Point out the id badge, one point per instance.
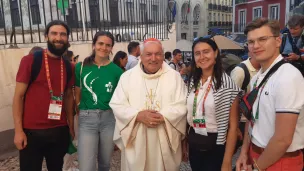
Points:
(55, 109)
(199, 126)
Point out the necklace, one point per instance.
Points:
(150, 96)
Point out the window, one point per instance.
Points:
(15, 13)
(184, 36)
(223, 19)
(1, 18)
(214, 17)
(194, 34)
(274, 11)
(35, 13)
(257, 12)
(242, 20)
(218, 17)
(227, 17)
(184, 13)
(196, 15)
(154, 12)
(142, 12)
(94, 13)
(130, 12)
(210, 17)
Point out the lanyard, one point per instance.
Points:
(256, 117)
(205, 97)
(48, 77)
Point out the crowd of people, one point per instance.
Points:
(158, 111)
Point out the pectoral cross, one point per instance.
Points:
(150, 100)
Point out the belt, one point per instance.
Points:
(260, 150)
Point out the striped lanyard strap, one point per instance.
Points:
(205, 97)
(48, 77)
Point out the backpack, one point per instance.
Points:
(175, 65)
(247, 76)
(231, 61)
(298, 64)
(36, 67)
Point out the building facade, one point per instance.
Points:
(220, 15)
(247, 10)
(190, 18)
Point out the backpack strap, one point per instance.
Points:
(283, 42)
(271, 71)
(247, 76)
(68, 69)
(36, 66)
(80, 74)
(173, 64)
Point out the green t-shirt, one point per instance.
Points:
(97, 85)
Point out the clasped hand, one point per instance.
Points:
(150, 118)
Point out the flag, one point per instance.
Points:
(63, 5)
(189, 7)
(174, 10)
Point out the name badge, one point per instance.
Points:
(55, 109)
(199, 126)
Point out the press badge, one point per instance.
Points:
(55, 109)
(199, 126)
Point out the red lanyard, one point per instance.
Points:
(205, 97)
(48, 77)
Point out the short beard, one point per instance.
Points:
(58, 52)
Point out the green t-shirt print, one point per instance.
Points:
(97, 85)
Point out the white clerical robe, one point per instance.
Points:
(143, 148)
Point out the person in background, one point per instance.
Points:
(96, 80)
(134, 52)
(177, 63)
(212, 110)
(121, 59)
(168, 57)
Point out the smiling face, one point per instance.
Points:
(103, 47)
(152, 57)
(262, 44)
(57, 40)
(204, 56)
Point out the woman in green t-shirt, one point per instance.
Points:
(96, 80)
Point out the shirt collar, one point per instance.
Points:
(249, 65)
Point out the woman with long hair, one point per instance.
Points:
(212, 110)
(121, 59)
(96, 80)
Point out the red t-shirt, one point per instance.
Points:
(37, 98)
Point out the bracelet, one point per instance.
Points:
(256, 165)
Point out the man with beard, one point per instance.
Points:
(43, 107)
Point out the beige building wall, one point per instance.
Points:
(9, 63)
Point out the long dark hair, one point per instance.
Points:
(90, 60)
(196, 73)
(119, 55)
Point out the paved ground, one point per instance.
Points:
(12, 164)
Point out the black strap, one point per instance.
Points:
(283, 42)
(247, 76)
(271, 71)
(68, 69)
(173, 64)
(36, 67)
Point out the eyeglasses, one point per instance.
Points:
(261, 41)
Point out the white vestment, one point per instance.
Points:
(143, 148)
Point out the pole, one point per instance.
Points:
(82, 18)
(233, 15)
